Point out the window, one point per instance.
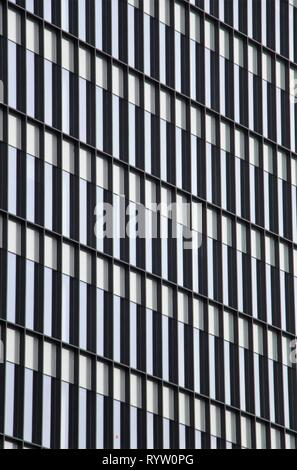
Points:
(261, 436)
(67, 55)
(135, 391)
(180, 18)
(151, 294)
(210, 35)
(50, 45)
(13, 346)
(229, 330)
(210, 129)
(227, 231)
(284, 263)
(15, 132)
(135, 288)
(32, 245)
(273, 348)
(14, 238)
(67, 366)
(295, 262)
(198, 314)
(102, 173)
(231, 435)
(68, 265)
(32, 140)
(238, 52)
(85, 267)
(14, 27)
(50, 252)
(102, 274)
(253, 59)
(164, 12)
(258, 340)
(152, 397)
(150, 195)
(280, 75)
(10, 445)
(184, 409)
(286, 349)
(49, 359)
(50, 148)
(240, 146)
(197, 224)
(149, 7)
(195, 27)
(270, 247)
(195, 121)
(290, 439)
(117, 81)
(225, 137)
(183, 307)
(119, 384)
(212, 224)
(149, 98)
(101, 73)
(85, 165)
(225, 44)
(267, 67)
(181, 114)
(282, 166)
(254, 151)
(268, 159)
(31, 353)
(68, 157)
(167, 301)
(118, 180)
(119, 281)
(165, 106)
(215, 421)
(256, 244)
(200, 415)
(181, 216)
(102, 379)
(85, 372)
(32, 36)
(246, 432)
(275, 439)
(134, 188)
(84, 63)
(168, 403)
(213, 321)
(243, 333)
(134, 3)
(134, 90)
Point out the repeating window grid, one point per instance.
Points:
(286, 267)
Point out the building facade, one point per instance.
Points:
(148, 342)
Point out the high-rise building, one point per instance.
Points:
(183, 113)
